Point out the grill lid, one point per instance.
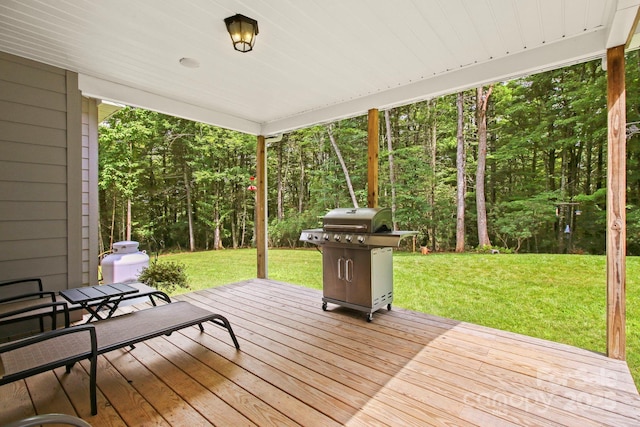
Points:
(363, 220)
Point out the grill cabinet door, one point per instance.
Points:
(347, 275)
(333, 266)
(358, 276)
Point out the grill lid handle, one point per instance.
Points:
(345, 227)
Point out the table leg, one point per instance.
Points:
(115, 305)
(93, 312)
(111, 304)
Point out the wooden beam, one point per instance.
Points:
(261, 207)
(372, 176)
(616, 197)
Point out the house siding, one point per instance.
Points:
(41, 175)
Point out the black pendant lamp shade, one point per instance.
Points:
(243, 31)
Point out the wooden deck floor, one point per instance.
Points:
(299, 365)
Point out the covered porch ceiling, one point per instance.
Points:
(314, 60)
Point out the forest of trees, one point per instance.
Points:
(540, 141)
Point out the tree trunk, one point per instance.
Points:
(600, 166)
(187, 187)
(344, 167)
(562, 220)
(432, 189)
(128, 235)
(589, 167)
(113, 222)
(217, 244)
(216, 231)
(392, 177)
(461, 183)
(243, 223)
(280, 212)
(482, 102)
(301, 192)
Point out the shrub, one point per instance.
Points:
(168, 276)
(488, 249)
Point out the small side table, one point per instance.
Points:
(96, 298)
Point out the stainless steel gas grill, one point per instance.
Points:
(357, 257)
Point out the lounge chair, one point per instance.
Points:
(25, 299)
(50, 350)
(64, 347)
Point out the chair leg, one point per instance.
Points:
(222, 321)
(68, 367)
(92, 384)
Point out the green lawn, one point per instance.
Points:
(557, 297)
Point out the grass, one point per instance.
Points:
(561, 298)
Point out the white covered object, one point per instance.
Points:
(125, 263)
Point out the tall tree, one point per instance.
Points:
(279, 181)
(482, 101)
(347, 178)
(187, 187)
(392, 179)
(432, 148)
(461, 179)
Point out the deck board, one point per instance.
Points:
(299, 365)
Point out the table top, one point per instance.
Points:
(94, 293)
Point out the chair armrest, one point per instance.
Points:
(40, 294)
(27, 280)
(46, 351)
(50, 350)
(53, 305)
(44, 336)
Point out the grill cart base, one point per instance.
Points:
(368, 310)
(361, 279)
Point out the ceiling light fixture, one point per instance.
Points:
(243, 32)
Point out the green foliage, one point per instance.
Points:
(493, 250)
(286, 232)
(547, 138)
(515, 222)
(168, 276)
(153, 159)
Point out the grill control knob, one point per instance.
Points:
(336, 237)
(348, 237)
(360, 239)
(310, 236)
(325, 236)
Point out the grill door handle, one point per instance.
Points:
(349, 269)
(340, 268)
(345, 227)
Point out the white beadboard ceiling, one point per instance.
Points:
(314, 60)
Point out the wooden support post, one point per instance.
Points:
(616, 197)
(261, 207)
(372, 176)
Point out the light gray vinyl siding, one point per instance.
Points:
(40, 174)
